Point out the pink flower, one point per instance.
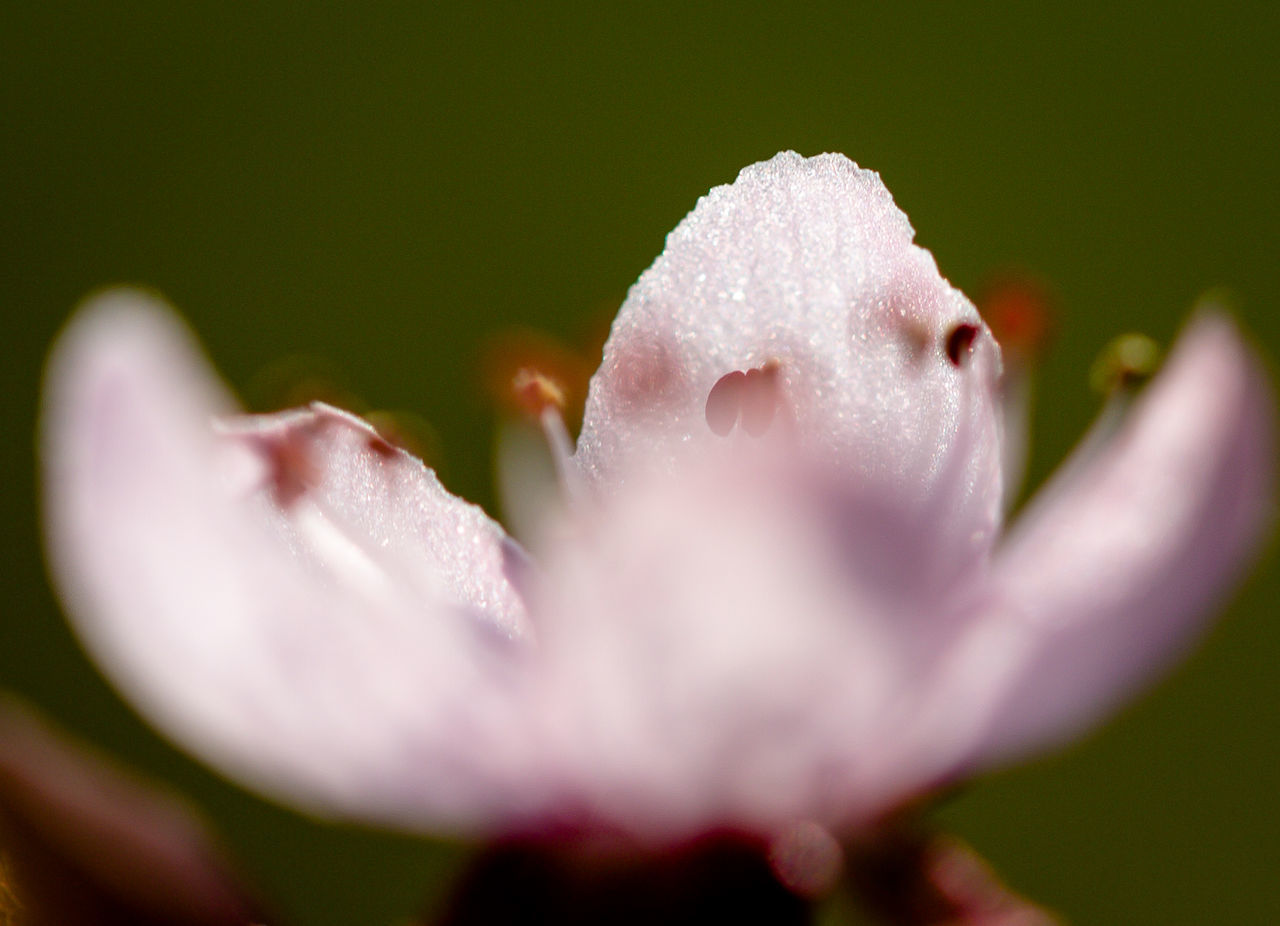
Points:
(778, 590)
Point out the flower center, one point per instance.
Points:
(749, 397)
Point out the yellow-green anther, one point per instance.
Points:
(1126, 362)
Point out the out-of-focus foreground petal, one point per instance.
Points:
(92, 845)
(1115, 566)
(291, 597)
(714, 665)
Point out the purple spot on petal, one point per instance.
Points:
(380, 446)
(646, 375)
(292, 468)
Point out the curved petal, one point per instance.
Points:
(1115, 567)
(792, 308)
(290, 597)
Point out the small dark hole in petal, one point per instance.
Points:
(725, 402)
(960, 343)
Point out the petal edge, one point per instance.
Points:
(1116, 565)
(287, 642)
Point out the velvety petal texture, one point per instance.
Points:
(775, 591)
(292, 597)
(878, 371)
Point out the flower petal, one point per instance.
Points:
(289, 596)
(1112, 569)
(791, 308)
(713, 664)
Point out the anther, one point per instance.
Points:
(960, 343)
(1126, 362)
(1019, 311)
(543, 400)
(535, 392)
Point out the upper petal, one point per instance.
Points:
(1116, 564)
(794, 303)
(290, 597)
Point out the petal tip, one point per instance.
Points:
(120, 333)
(117, 311)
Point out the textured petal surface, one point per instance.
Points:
(1113, 569)
(878, 371)
(289, 596)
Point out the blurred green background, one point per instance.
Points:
(385, 186)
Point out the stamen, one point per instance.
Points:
(561, 446)
(535, 392)
(960, 343)
(542, 398)
(1128, 361)
(524, 370)
(1019, 310)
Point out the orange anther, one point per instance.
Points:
(527, 372)
(1019, 311)
(535, 392)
